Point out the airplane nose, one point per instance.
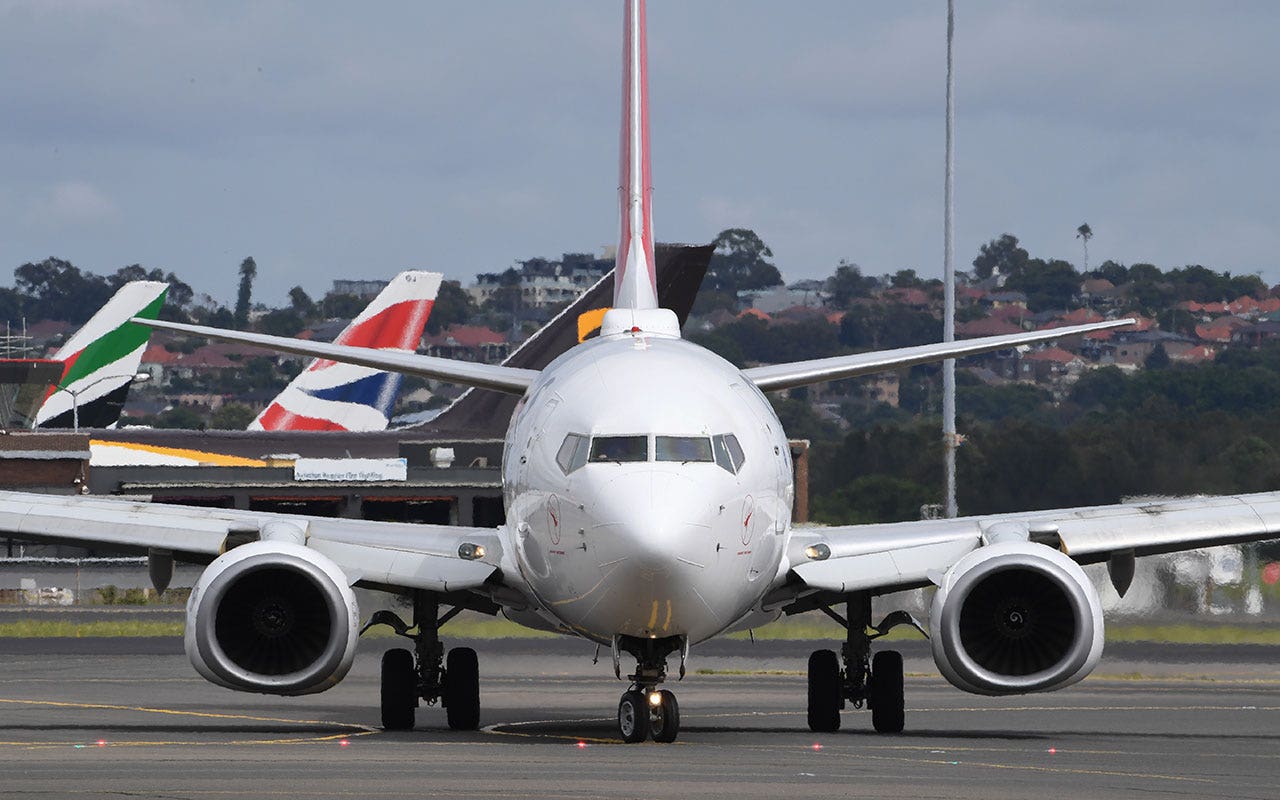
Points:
(655, 521)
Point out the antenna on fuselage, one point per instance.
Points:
(635, 278)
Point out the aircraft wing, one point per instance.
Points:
(485, 376)
(904, 555)
(802, 373)
(370, 553)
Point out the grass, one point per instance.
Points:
(42, 628)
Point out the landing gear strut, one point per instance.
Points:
(644, 710)
(855, 676)
(424, 673)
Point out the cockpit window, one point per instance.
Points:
(682, 448)
(573, 453)
(619, 448)
(728, 452)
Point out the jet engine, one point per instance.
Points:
(274, 617)
(1015, 617)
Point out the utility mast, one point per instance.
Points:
(949, 438)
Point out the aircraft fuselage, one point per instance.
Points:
(648, 488)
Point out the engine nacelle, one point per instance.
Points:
(1015, 617)
(273, 617)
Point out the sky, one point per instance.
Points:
(340, 140)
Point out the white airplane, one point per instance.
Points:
(648, 491)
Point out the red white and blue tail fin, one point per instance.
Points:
(635, 282)
(329, 396)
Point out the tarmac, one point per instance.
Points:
(130, 718)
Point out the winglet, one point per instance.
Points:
(636, 285)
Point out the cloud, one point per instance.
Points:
(72, 204)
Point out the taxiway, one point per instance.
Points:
(128, 717)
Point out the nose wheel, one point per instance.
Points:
(654, 713)
(645, 711)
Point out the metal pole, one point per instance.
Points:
(75, 409)
(949, 440)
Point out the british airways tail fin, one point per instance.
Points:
(636, 279)
(329, 396)
(100, 360)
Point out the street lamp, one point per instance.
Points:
(141, 377)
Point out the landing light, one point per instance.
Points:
(817, 552)
(471, 552)
(655, 699)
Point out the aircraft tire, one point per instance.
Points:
(888, 714)
(462, 689)
(665, 724)
(824, 691)
(633, 717)
(399, 690)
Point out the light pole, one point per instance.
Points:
(140, 377)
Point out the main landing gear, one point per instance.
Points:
(645, 711)
(424, 673)
(861, 679)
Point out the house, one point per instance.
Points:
(1000, 299)
(1132, 349)
(467, 343)
(1049, 364)
(1220, 330)
(985, 327)
(1255, 334)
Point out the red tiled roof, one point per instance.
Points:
(986, 327)
(156, 354)
(754, 312)
(465, 336)
(1054, 354)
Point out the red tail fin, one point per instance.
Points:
(635, 282)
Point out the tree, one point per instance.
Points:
(231, 417)
(847, 283)
(1047, 284)
(248, 271)
(453, 306)
(301, 303)
(341, 306)
(1159, 358)
(57, 289)
(281, 322)
(905, 279)
(1084, 233)
(740, 263)
(1000, 256)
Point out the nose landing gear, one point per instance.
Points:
(645, 711)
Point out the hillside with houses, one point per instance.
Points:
(1183, 401)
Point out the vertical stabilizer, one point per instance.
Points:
(636, 284)
(100, 360)
(328, 396)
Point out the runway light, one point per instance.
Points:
(817, 746)
(655, 699)
(1053, 751)
(343, 743)
(102, 743)
(582, 745)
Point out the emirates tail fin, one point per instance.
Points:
(101, 359)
